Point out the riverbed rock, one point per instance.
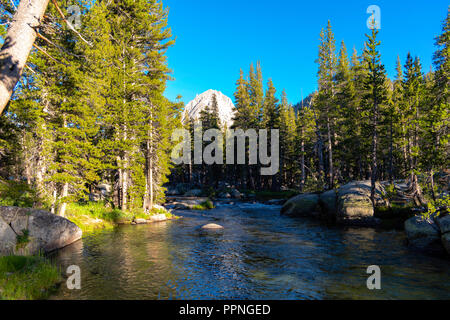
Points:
(354, 205)
(225, 195)
(140, 221)
(422, 233)
(212, 226)
(158, 218)
(236, 194)
(46, 231)
(304, 205)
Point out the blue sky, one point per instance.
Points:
(216, 38)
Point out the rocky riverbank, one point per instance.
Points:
(25, 231)
(348, 205)
(429, 234)
(351, 205)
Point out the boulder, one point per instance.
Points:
(446, 242)
(304, 205)
(158, 218)
(46, 231)
(236, 194)
(354, 205)
(186, 204)
(8, 239)
(328, 203)
(140, 221)
(172, 192)
(422, 233)
(182, 188)
(212, 226)
(193, 193)
(225, 195)
(443, 224)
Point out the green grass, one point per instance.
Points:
(27, 278)
(207, 205)
(92, 216)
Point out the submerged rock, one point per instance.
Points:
(304, 205)
(212, 226)
(39, 231)
(422, 233)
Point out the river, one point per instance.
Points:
(258, 255)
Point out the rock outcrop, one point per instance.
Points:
(304, 205)
(422, 233)
(25, 231)
(349, 205)
(354, 205)
(429, 234)
(196, 106)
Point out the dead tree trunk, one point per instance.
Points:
(19, 40)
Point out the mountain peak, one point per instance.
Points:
(201, 101)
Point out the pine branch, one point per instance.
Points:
(57, 46)
(45, 53)
(29, 68)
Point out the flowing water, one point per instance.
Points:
(258, 255)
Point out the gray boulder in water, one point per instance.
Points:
(355, 207)
(304, 205)
(38, 231)
(212, 226)
(422, 233)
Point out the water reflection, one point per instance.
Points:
(258, 255)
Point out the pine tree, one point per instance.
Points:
(376, 96)
(347, 114)
(436, 115)
(326, 96)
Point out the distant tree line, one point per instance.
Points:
(358, 125)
